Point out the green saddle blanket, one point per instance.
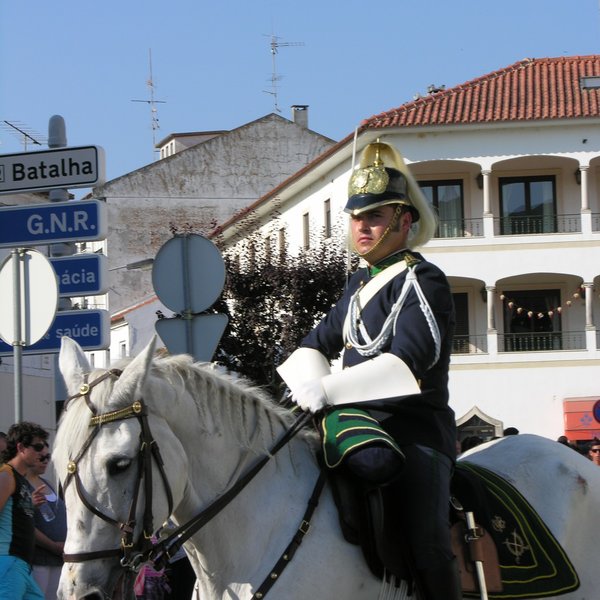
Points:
(532, 562)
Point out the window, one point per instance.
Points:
(460, 342)
(532, 322)
(305, 231)
(122, 350)
(327, 218)
(447, 199)
(527, 205)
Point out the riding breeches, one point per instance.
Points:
(419, 498)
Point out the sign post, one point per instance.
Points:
(27, 307)
(188, 276)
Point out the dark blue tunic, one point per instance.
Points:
(425, 418)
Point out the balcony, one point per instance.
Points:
(595, 221)
(541, 342)
(469, 344)
(459, 228)
(536, 224)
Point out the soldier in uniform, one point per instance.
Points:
(395, 323)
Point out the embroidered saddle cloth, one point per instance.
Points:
(532, 562)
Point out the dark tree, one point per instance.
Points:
(273, 301)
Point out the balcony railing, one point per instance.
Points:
(458, 228)
(538, 342)
(469, 344)
(532, 224)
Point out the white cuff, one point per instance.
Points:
(303, 365)
(385, 376)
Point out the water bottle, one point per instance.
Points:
(46, 511)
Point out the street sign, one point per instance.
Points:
(188, 273)
(81, 275)
(89, 328)
(50, 169)
(204, 333)
(34, 294)
(38, 224)
(188, 276)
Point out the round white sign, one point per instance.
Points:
(37, 296)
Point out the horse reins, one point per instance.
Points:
(162, 551)
(148, 452)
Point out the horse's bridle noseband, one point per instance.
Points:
(131, 554)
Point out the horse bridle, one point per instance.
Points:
(131, 553)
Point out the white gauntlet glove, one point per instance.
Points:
(310, 395)
(303, 372)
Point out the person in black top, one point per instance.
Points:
(394, 323)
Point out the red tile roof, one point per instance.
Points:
(531, 89)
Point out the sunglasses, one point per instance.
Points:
(45, 458)
(39, 446)
(594, 450)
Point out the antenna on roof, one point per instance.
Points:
(25, 134)
(275, 45)
(152, 102)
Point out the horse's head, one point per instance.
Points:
(121, 467)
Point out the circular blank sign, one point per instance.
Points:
(188, 273)
(37, 296)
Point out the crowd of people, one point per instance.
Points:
(33, 527)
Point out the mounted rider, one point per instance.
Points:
(395, 322)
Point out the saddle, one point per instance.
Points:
(519, 555)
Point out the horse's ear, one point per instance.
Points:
(139, 367)
(73, 364)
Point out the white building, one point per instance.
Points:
(511, 161)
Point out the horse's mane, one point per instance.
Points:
(223, 403)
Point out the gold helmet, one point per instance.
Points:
(383, 178)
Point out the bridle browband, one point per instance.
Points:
(129, 552)
(133, 555)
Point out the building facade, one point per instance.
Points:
(511, 163)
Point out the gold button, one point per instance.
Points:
(348, 346)
(84, 389)
(71, 467)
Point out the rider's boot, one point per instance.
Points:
(441, 583)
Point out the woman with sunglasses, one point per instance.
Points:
(50, 528)
(25, 444)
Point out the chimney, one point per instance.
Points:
(300, 115)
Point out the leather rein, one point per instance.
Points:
(134, 555)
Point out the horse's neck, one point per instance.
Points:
(266, 512)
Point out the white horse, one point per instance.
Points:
(210, 431)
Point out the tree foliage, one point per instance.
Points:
(273, 302)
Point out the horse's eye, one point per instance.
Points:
(118, 465)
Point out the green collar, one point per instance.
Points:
(393, 259)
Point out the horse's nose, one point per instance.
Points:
(93, 596)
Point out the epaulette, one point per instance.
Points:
(411, 261)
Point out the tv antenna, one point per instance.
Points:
(26, 135)
(152, 103)
(276, 43)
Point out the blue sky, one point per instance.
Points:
(212, 62)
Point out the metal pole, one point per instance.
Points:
(57, 138)
(472, 529)
(187, 313)
(17, 254)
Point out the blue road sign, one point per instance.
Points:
(89, 328)
(81, 274)
(49, 223)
